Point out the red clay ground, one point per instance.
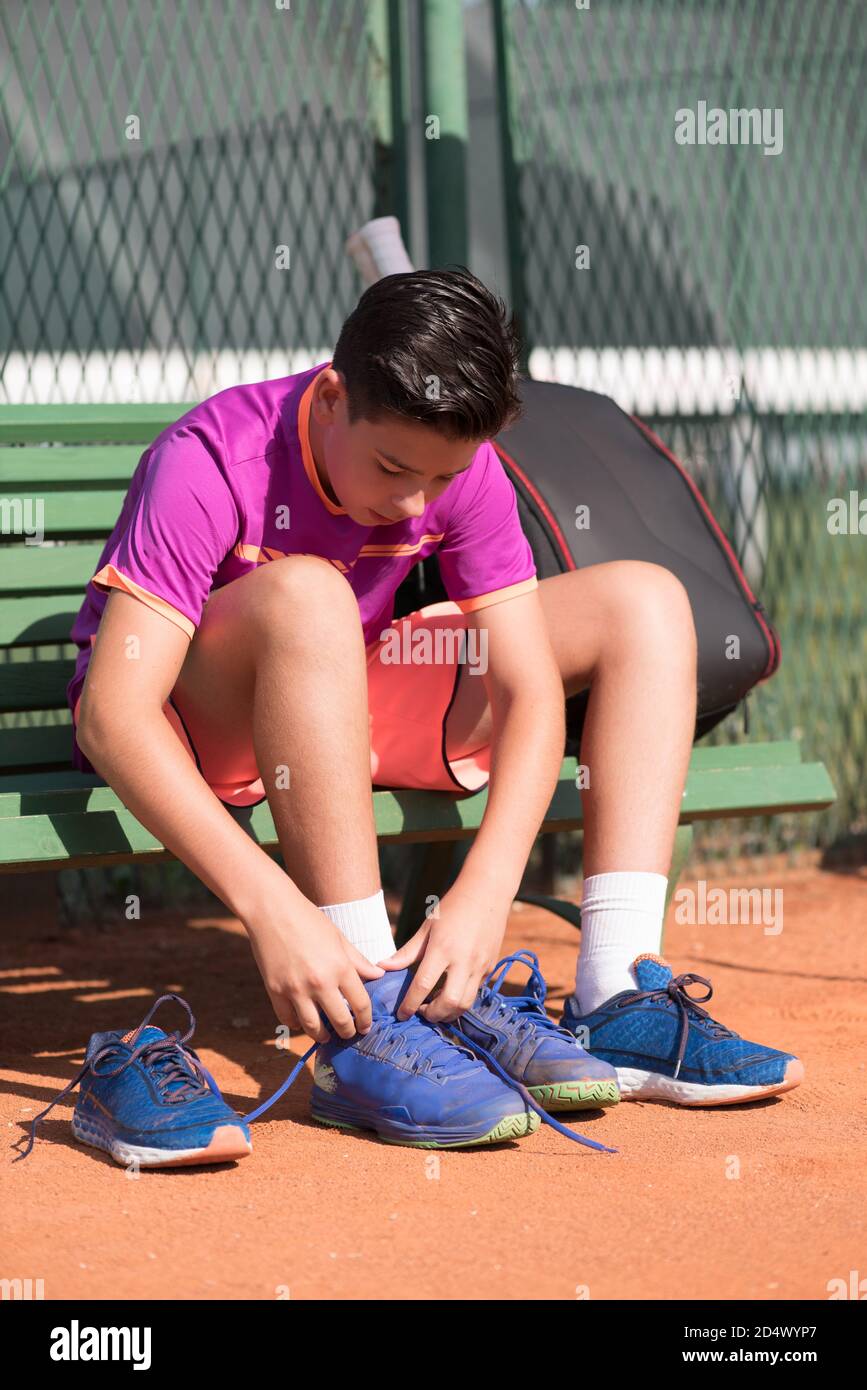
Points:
(314, 1213)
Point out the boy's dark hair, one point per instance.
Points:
(434, 346)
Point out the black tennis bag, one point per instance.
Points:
(575, 448)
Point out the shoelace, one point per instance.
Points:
(474, 1049)
(432, 1051)
(528, 1099)
(531, 1002)
(686, 1005)
(438, 1046)
(169, 1059)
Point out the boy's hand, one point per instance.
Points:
(460, 942)
(307, 965)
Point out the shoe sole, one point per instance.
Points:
(650, 1085)
(516, 1126)
(576, 1095)
(225, 1144)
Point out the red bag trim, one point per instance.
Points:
(770, 633)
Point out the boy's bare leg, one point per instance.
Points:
(626, 630)
(279, 657)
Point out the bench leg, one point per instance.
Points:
(431, 872)
(571, 912)
(680, 855)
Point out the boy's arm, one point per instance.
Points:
(525, 691)
(124, 733)
(126, 736)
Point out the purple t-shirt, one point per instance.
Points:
(232, 485)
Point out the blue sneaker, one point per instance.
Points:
(531, 1048)
(410, 1084)
(665, 1047)
(145, 1096)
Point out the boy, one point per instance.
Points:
(234, 646)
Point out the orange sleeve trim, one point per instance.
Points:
(471, 605)
(110, 578)
(405, 548)
(307, 452)
(257, 554)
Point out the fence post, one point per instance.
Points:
(511, 174)
(445, 99)
(387, 107)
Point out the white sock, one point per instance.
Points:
(621, 918)
(365, 924)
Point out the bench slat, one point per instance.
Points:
(37, 749)
(39, 569)
(87, 424)
(761, 791)
(49, 747)
(66, 515)
(37, 621)
(90, 465)
(32, 685)
(53, 782)
(58, 838)
(771, 754)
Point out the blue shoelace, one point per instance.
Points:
(413, 1042)
(675, 992)
(176, 1069)
(530, 1003)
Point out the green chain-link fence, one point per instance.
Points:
(178, 182)
(716, 287)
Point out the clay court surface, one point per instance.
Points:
(314, 1213)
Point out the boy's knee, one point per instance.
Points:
(655, 599)
(304, 585)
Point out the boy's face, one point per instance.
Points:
(380, 472)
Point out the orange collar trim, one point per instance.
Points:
(307, 452)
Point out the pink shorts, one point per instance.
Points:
(408, 701)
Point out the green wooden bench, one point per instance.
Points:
(77, 461)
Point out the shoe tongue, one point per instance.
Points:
(149, 1034)
(165, 1065)
(387, 992)
(530, 994)
(533, 990)
(651, 972)
(98, 1040)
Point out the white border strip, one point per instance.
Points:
(101, 378)
(654, 380)
(708, 381)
